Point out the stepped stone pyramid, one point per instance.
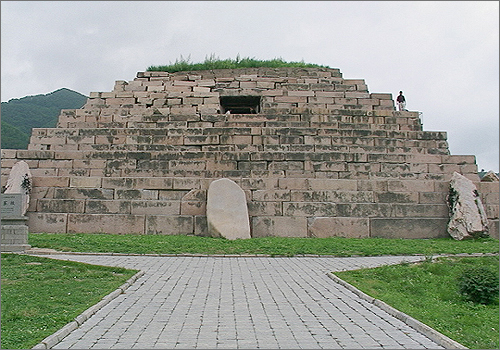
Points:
(316, 154)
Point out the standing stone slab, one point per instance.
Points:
(467, 215)
(15, 202)
(20, 182)
(227, 212)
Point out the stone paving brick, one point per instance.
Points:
(240, 302)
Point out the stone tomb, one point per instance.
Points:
(316, 155)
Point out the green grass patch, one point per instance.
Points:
(40, 295)
(429, 293)
(213, 62)
(173, 244)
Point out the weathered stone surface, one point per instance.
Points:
(47, 222)
(467, 215)
(20, 182)
(411, 228)
(339, 227)
(279, 226)
(105, 223)
(169, 225)
(322, 157)
(490, 177)
(227, 211)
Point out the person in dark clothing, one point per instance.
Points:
(401, 102)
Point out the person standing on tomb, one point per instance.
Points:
(401, 102)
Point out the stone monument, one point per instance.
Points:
(227, 213)
(15, 201)
(467, 216)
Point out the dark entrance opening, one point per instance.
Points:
(240, 104)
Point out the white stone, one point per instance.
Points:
(227, 212)
(20, 181)
(467, 215)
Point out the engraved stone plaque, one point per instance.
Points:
(12, 204)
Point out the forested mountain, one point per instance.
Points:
(20, 115)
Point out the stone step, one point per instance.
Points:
(268, 153)
(72, 135)
(232, 136)
(262, 226)
(115, 192)
(252, 124)
(248, 183)
(207, 164)
(153, 117)
(132, 173)
(418, 147)
(264, 143)
(255, 208)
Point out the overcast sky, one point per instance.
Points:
(443, 55)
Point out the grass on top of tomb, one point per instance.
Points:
(41, 295)
(429, 292)
(274, 246)
(212, 62)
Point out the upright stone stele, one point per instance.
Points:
(227, 212)
(467, 215)
(15, 201)
(20, 181)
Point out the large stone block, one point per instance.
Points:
(339, 227)
(396, 197)
(85, 182)
(60, 206)
(47, 222)
(309, 209)
(154, 207)
(106, 223)
(408, 227)
(279, 226)
(332, 196)
(169, 225)
(193, 208)
(410, 185)
(271, 195)
(264, 208)
(107, 207)
(333, 184)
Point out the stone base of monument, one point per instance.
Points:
(14, 234)
(14, 223)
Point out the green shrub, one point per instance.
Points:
(479, 284)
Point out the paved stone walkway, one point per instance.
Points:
(241, 303)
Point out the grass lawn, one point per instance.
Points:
(41, 295)
(165, 244)
(213, 62)
(428, 292)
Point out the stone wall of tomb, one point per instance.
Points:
(319, 156)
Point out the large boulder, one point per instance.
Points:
(20, 181)
(467, 215)
(227, 212)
